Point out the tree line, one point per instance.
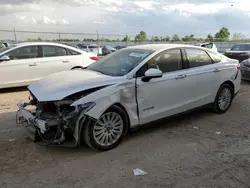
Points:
(223, 35)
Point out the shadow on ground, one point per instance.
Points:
(13, 90)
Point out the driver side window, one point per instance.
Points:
(166, 61)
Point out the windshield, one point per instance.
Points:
(120, 62)
(241, 47)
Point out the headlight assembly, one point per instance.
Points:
(86, 107)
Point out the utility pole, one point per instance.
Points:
(59, 35)
(126, 39)
(98, 45)
(15, 34)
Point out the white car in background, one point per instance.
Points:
(209, 45)
(128, 88)
(93, 48)
(23, 63)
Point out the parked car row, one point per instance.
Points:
(130, 87)
(3, 45)
(94, 48)
(241, 52)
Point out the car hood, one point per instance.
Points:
(60, 85)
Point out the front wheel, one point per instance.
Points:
(223, 99)
(107, 132)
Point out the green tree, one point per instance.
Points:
(210, 38)
(102, 39)
(126, 39)
(188, 38)
(39, 39)
(200, 39)
(155, 39)
(238, 37)
(176, 38)
(222, 35)
(167, 38)
(142, 36)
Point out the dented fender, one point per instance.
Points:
(122, 93)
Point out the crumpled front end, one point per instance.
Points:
(53, 122)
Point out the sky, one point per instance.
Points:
(121, 17)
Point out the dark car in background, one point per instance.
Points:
(107, 50)
(120, 47)
(245, 69)
(240, 52)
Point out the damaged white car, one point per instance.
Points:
(127, 88)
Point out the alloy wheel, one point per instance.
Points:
(224, 99)
(108, 129)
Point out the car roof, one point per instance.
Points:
(48, 44)
(23, 44)
(158, 47)
(40, 43)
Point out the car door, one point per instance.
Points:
(165, 96)
(54, 59)
(203, 77)
(20, 69)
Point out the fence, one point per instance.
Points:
(15, 36)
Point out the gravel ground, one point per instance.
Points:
(182, 152)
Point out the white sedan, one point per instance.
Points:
(130, 87)
(26, 62)
(209, 45)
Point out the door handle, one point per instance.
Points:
(32, 64)
(65, 61)
(216, 70)
(181, 76)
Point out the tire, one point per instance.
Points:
(228, 93)
(92, 127)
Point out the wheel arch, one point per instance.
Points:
(229, 83)
(76, 67)
(124, 109)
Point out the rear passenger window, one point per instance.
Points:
(167, 61)
(216, 57)
(72, 52)
(197, 58)
(53, 51)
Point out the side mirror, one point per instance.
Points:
(151, 73)
(4, 58)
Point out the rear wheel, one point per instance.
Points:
(223, 99)
(107, 132)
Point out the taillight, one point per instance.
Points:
(95, 58)
(238, 67)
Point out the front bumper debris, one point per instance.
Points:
(24, 115)
(28, 119)
(38, 129)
